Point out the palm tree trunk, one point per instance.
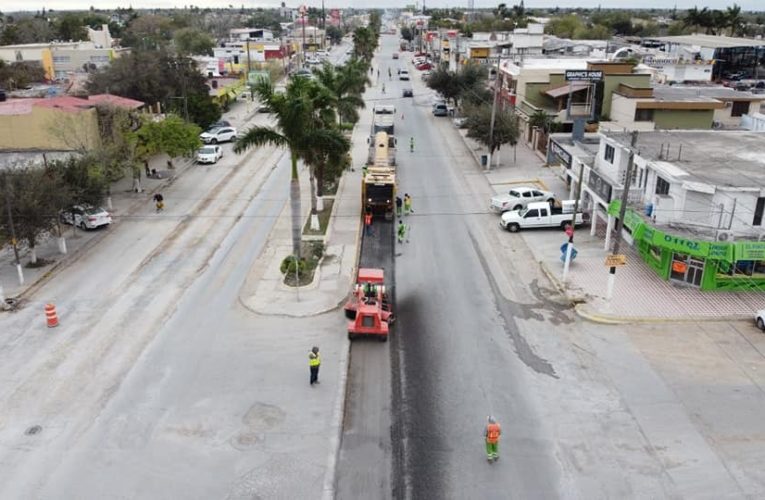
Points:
(314, 212)
(295, 206)
(320, 187)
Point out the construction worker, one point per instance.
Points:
(411, 144)
(383, 88)
(390, 76)
(403, 232)
(408, 204)
(314, 362)
(399, 205)
(492, 434)
(159, 202)
(368, 223)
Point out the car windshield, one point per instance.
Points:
(213, 130)
(207, 151)
(93, 210)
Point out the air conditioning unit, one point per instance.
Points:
(724, 236)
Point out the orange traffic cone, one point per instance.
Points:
(50, 315)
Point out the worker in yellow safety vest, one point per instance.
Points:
(492, 434)
(314, 361)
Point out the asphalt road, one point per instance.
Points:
(587, 411)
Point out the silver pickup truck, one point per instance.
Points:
(541, 214)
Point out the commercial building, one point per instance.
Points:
(55, 124)
(731, 54)
(696, 200)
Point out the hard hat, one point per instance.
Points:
(491, 419)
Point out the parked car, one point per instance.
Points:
(303, 73)
(426, 74)
(541, 214)
(518, 197)
(218, 134)
(263, 108)
(408, 93)
(403, 74)
(222, 123)
(424, 66)
(209, 154)
(85, 217)
(759, 319)
(440, 109)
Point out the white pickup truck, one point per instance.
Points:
(541, 214)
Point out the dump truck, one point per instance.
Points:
(383, 116)
(382, 150)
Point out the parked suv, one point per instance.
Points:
(209, 154)
(218, 134)
(440, 109)
(518, 197)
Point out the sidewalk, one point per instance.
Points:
(639, 294)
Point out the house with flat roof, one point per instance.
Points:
(696, 200)
(675, 107)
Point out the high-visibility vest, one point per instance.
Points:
(314, 359)
(492, 433)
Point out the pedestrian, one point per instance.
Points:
(146, 168)
(368, 223)
(408, 204)
(170, 165)
(159, 202)
(411, 144)
(314, 362)
(403, 232)
(399, 205)
(492, 434)
(378, 74)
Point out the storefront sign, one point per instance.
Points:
(616, 260)
(599, 186)
(750, 250)
(573, 75)
(560, 153)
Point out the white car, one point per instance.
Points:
(85, 217)
(218, 134)
(209, 154)
(518, 197)
(403, 75)
(760, 319)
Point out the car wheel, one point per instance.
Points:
(351, 336)
(513, 227)
(551, 201)
(213, 141)
(383, 338)
(760, 324)
(82, 225)
(518, 207)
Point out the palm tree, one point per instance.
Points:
(733, 19)
(346, 84)
(364, 43)
(293, 110)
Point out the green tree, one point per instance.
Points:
(148, 32)
(85, 177)
(406, 33)
(20, 74)
(191, 41)
(364, 43)
(35, 196)
(71, 27)
(468, 84)
(334, 34)
(565, 26)
(172, 136)
(158, 77)
(505, 130)
(345, 83)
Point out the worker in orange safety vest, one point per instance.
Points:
(492, 434)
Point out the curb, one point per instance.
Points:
(609, 319)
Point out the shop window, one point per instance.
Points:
(643, 115)
(662, 186)
(759, 267)
(758, 210)
(739, 108)
(655, 252)
(609, 153)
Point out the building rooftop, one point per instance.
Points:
(553, 64)
(676, 93)
(718, 158)
(65, 103)
(711, 41)
(586, 149)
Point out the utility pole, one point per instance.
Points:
(323, 25)
(12, 228)
(497, 84)
(622, 211)
(570, 246)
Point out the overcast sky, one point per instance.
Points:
(11, 5)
